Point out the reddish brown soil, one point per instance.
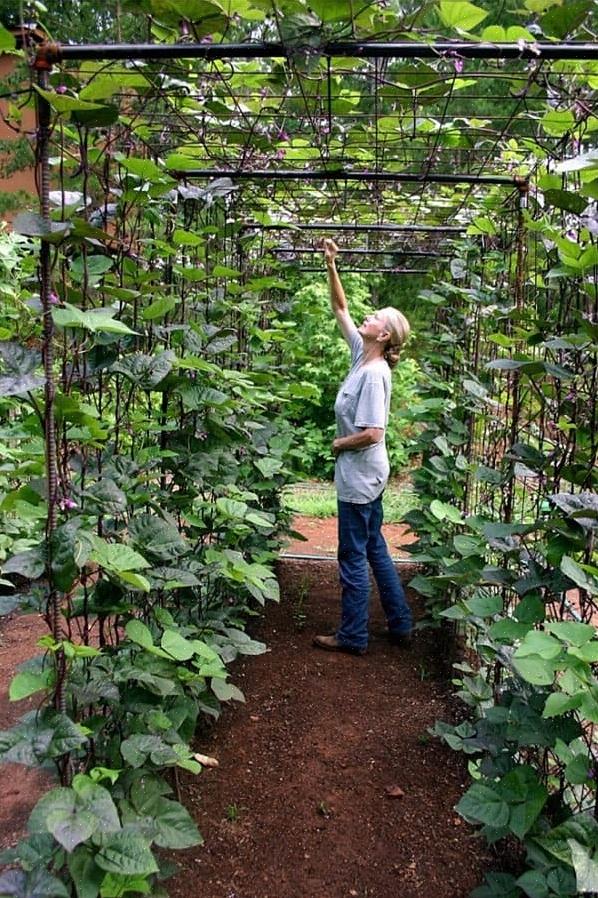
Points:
(20, 787)
(322, 539)
(299, 806)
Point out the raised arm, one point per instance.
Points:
(338, 300)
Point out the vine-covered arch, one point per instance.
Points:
(183, 183)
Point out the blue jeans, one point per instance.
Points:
(359, 542)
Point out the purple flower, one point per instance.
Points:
(458, 65)
(61, 89)
(280, 154)
(67, 504)
(53, 299)
(282, 135)
(206, 39)
(591, 774)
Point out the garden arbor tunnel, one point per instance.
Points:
(244, 145)
(184, 188)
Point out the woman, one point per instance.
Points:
(362, 469)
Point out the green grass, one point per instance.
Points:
(318, 499)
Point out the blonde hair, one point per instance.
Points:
(399, 331)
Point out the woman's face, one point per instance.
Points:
(373, 326)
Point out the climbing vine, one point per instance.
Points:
(152, 386)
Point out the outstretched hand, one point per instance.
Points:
(330, 249)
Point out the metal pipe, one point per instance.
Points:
(355, 228)
(360, 252)
(55, 52)
(370, 270)
(340, 174)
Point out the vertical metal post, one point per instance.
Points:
(519, 291)
(43, 167)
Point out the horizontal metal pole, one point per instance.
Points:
(55, 52)
(354, 228)
(362, 251)
(340, 174)
(346, 270)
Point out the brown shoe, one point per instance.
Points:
(331, 644)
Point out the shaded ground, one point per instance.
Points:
(300, 805)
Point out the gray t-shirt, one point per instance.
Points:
(363, 400)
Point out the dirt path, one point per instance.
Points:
(300, 805)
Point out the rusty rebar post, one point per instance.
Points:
(43, 153)
(519, 295)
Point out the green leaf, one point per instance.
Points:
(571, 631)
(558, 703)
(90, 267)
(482, 804)
(31, 884)
(116, 885)
(64, 548)
(74, 814)
(145, 371)
(461, 15)
(533, 883)
(39, 736)
(468, 545)
(136, 581)
(96, 118)
(176, 645)
(95, 320)
(564, 199)
(526, 797)
(145, 169)
(508, 630)
(127, 853)
(181, 237)
(539, 643)
(562, 20)
(62, 103)
(585, 865)
(86, 875)
(442, 511)
(103, 86)
(26, 683)
(157, 538)
(138, 633)
(576, 572)
(535, 670)
(159, 308)
(175, 827)
(30, 564)
(117, 557)
(224, 691)
(557, 122)
(333, 10)
(7, 40)
(485, 606)
(32, 225)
